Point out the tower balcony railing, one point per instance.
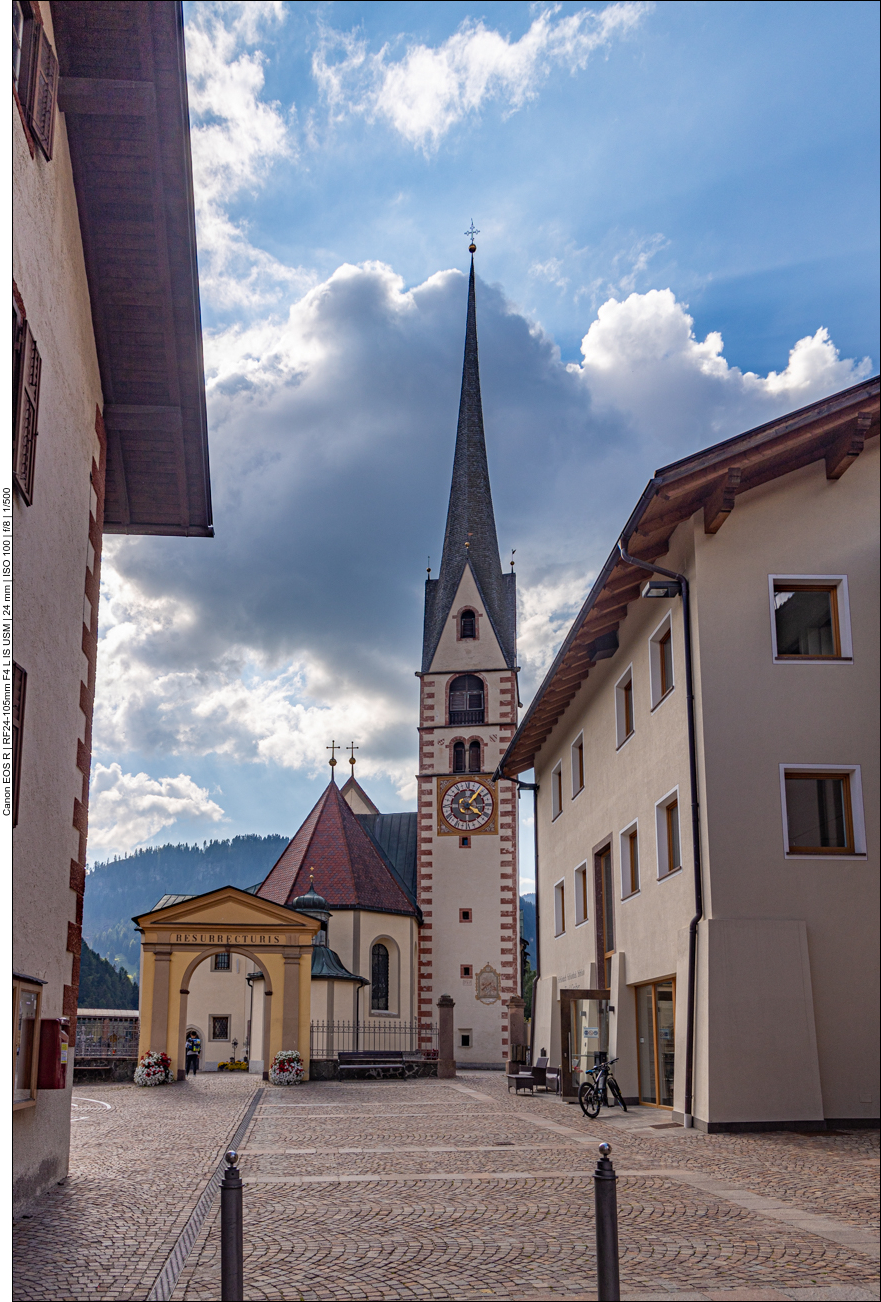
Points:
(458, 717)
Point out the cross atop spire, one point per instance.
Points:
(470, 536)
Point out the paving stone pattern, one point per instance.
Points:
(435, 1189)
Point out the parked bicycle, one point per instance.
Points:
(594, 1092)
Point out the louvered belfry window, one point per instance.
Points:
(379, 966)
(26, 369)
(474, 757)
(459, 757)
(466, 699)
(35, 74)
(468, 624)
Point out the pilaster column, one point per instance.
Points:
(290, 1018)
(159, 1019)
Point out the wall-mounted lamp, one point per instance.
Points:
(662, 588)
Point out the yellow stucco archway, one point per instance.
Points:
(177, 938)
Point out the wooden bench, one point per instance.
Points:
(375, 1063)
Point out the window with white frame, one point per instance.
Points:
(661, 660)
(624, 706)
(667, 836)
(822, 811)
(557, 791)
(629, 861)
(581, 895)
(559, 908)
(810, 618)
(577, 765)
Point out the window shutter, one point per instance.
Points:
(19, 685)
(24, 437)
(43, 90)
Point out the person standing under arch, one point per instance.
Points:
(194, 1049)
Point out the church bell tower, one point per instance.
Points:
(467, 867)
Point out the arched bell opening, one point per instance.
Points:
(467, 700)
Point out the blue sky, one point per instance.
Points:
(678, 216)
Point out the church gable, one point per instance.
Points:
(466, 643)
(357, 798)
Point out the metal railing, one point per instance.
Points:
(327, 1039)
(107, 1037)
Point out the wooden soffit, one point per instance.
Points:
(123, 92)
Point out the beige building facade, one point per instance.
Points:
(733, 974)
(107, 357)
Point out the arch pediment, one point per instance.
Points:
(228, 916)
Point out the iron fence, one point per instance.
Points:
(107, 1037)
(327, 1039)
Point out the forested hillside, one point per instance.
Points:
(118, 890)
(102, 986)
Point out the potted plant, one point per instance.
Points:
(287, 1068)
(153, 1069)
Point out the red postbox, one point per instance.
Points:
(52, 1071)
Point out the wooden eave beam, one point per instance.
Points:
(848, 446)
(720, 503)
(758, 446)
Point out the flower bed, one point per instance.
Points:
(287, 1068)
(153, 1069)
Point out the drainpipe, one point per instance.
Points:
(688, 1119)
(533, 787)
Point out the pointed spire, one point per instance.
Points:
(471, 525)
(470, 535)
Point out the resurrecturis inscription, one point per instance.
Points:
(232, 938)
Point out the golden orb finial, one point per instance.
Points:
(472, 247)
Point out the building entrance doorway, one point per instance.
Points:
(584, 1035)
(655, 1031)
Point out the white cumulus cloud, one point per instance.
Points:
(426, 92)
(641, 358)
(126, 809)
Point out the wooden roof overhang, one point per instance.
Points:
(834, 429)
(123, 91)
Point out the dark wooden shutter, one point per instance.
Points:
(27, 404)
(43, 90)
(19, 686)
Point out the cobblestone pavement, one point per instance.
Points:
(139, 1161)
(459, 1190)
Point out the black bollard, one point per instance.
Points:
(606, 1206)
(232, 1264)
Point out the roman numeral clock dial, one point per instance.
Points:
(467, 805)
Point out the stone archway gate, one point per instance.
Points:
(177, 938)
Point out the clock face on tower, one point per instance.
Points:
(466, 805)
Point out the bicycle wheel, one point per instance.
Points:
(616, 1093)
(589, 1099)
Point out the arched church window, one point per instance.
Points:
(474, 757)
(468, 624)
(466, 699)
(379, 978)
(459, 757)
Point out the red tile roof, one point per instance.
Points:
(348, 869)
